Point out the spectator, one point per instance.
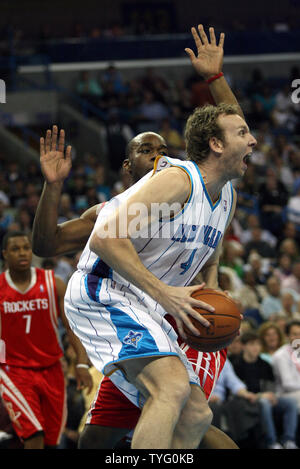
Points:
(102, 187)
(290, 305)
(293, 207)
(257, 244)
(259, 156)
(293, 280)
(75, 402)
(247, 234)
(89, 88)
(118, 134)
(285, 174)
(232, 257)
(173, 138)
(272, 338)
(258, 376)
(290, 247)
(271, 304)
(5, 217)
(286, 363)
(273, 198)
(200, 92)
(24, 220)
(250, 294)
(283, 268)
(266, 99)
(282, 114)
(230, 389)
(17, 193)
(235, 348)
(65, 209)
(155, 83)
(76, 188)
(289, 231)
(113, 77)
(61, 267)
(260, 271)
(227, 279)
(151, 113)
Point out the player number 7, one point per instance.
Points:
(28, 322)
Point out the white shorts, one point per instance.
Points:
(118, 330)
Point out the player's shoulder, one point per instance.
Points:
(168, 167)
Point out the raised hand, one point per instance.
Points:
(55, 160)
(209, 59)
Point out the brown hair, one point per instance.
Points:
(264, 328)
(201, 126)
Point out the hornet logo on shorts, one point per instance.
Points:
(132, 338)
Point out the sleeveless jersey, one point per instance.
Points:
(29, 321)
(174, 250)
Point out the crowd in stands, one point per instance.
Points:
(140, 23)
(260, 263)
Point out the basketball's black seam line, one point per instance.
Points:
(212, 338)
(217, 314)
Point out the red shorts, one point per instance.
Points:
(35, 400)
(112, 409)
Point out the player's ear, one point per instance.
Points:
(216, 145)
(127, 165)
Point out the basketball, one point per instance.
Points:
(225, 322)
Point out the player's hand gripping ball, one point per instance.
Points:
(225, 322)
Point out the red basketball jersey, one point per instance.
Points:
(28, 321)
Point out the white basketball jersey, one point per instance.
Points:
(174, 250)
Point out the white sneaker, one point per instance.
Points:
(275, 446)
(290, 445)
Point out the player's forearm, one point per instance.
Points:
(121, 256)
(222, 93)
(80, 352)
(44, 232)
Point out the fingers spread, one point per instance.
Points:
(48, 141)
(190, 54)
(221, 41)
(212, 36)
(202, 34)
(54, 137)
(196, 39)
(42, 146)
(68, 152)
(61, 141)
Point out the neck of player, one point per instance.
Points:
(212, 183)
(20, 277)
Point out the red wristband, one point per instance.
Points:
(215, 77)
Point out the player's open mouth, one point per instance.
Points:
(246, 158)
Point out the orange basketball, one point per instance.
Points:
(225, 322)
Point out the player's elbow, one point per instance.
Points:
(43, 249)
(97, 243)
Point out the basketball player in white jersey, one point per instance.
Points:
(127, 279)
(221, 92)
